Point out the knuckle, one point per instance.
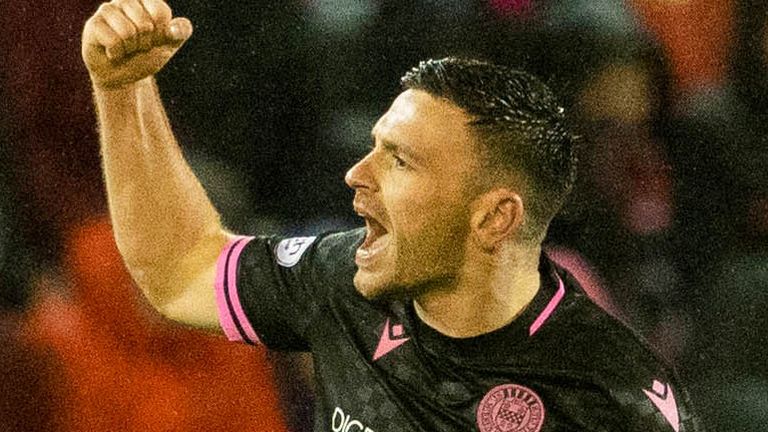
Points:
(128, 7)
(151, 8)
(135, 4)
(138, 16)
(101, 28)
(90, 23)
(103, 8)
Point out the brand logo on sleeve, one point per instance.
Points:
(391, 338)
(661, 395)
(289, 251)
(510, 408)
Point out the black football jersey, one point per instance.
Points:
(562, 365)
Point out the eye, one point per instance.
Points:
(399, 162)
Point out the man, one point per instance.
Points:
(442, 314)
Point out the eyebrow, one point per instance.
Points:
(394, 147)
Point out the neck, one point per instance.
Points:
(484, 297)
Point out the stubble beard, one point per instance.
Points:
(404, 281)
(401, 291)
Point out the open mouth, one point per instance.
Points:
(376, 239)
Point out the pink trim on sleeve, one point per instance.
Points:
(232, 317)
(225, 318)
(551, 306)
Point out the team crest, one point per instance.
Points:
(510, 408)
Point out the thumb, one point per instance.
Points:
(179, 30)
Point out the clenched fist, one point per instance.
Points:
(128, 40)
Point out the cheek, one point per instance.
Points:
(436, 251)
(416, 210)
(432, 229)
(424, 211)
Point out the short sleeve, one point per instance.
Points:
(270, 290)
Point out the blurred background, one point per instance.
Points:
(273, 100)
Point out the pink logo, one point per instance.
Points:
(661, 395)
(510, 408)
(391, 338)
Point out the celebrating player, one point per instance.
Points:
(442, 314)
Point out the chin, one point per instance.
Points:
(374, 286)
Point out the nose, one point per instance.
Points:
(360, 176)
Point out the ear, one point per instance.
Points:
(496, 216)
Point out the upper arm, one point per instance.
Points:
(183, 290)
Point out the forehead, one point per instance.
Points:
(427, 125)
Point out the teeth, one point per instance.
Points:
(375, 242)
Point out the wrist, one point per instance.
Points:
(122, 88)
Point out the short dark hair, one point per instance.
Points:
(520, 125)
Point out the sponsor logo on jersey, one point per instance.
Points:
(661, 395)
(391, 338)
(510, 408)
(289, 251)
(341, 422)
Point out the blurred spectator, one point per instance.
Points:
(696, 36)
(28, 377)
(721, 153)
(27, 373)
(622, 212)
(12, 293)
(54, 158)
(722, 162)
(123, 368)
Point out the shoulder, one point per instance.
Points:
(339, 244)
(298, 253)
(594, 340)
(334, 254)
(604, 351)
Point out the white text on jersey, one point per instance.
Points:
(345, 423)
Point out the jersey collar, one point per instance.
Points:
(503, 341)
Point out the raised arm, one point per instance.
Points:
(167, 230)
